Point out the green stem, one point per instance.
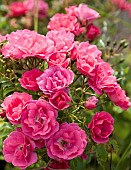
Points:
(36, 16)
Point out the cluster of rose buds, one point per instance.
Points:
(37, 119)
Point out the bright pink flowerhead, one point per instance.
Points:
(28, 80)
(84, 13)
(63, 41)
(54, 79)
(14, 104)
(17, 9)
(42, 7)
(91, 103)
(87, 59)
(61, 164)
(58, 59)
(65, 22)
(122, 4)
(101, 127)
(119, 98)
(103, 78)
(60, 100)
(39, 120)
(92, 32)
(68, 143)
(26, 43)
(18, 149)
(71, 10)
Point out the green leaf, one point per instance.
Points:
(114, 144)
(5, 128)
(7, 91)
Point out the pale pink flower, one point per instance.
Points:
(54, 79)
(14, 104)
(39, 120)
(101, 127)
(65, 22)
(67, 143)
(91, 103)
(18, 149)
(102, 78)
(26, 43)
(84, 13)
(122, 4)
(42, 7)
(88, 57)
(17, 9)
(28, 80)
(63, 41)
(119, 98)
(60, 100)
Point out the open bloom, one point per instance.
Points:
(18, 149)
(39, 120)
(17, 9)
(14, 104)
(68, 143)
(54, 79)
(119, 98)
(101, 126)
(25, 43)
(28, 80)
(59, 100)
(65, 22)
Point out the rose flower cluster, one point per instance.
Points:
(38, 119)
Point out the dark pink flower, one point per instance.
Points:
(88, 57)
(67, 143)
(39, 120)
(103, 78)
(40, 143)
(26, 43)
(91, 103)
(14, 104)
(101, 127)
(61, 164)
(119, 98)
(92, 32)
(42, 7)
(60, 100)
(84, 156)
(28, 80)
(63, 41)
(17, 9)
(54, 79)
(122, 4)
(18, 149)
(65, 22)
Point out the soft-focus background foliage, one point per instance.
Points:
(115, 26)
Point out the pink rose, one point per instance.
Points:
(42, 7)
(65, 22)
(17, 9)
(39, 120)
(58, 59)
(18, 149)
(28, 80)
(14, 104)
(71, 10)
(101, 126)
(63, 41)
(74, 51)
(54, 79)
(92, 32)
(103, 78)
(67, 143)
(61, 164)
(122, 4)
(119, 98)
(91, 103)
(60, 100)
(84, 13)
(26, 43)
(87, 59)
